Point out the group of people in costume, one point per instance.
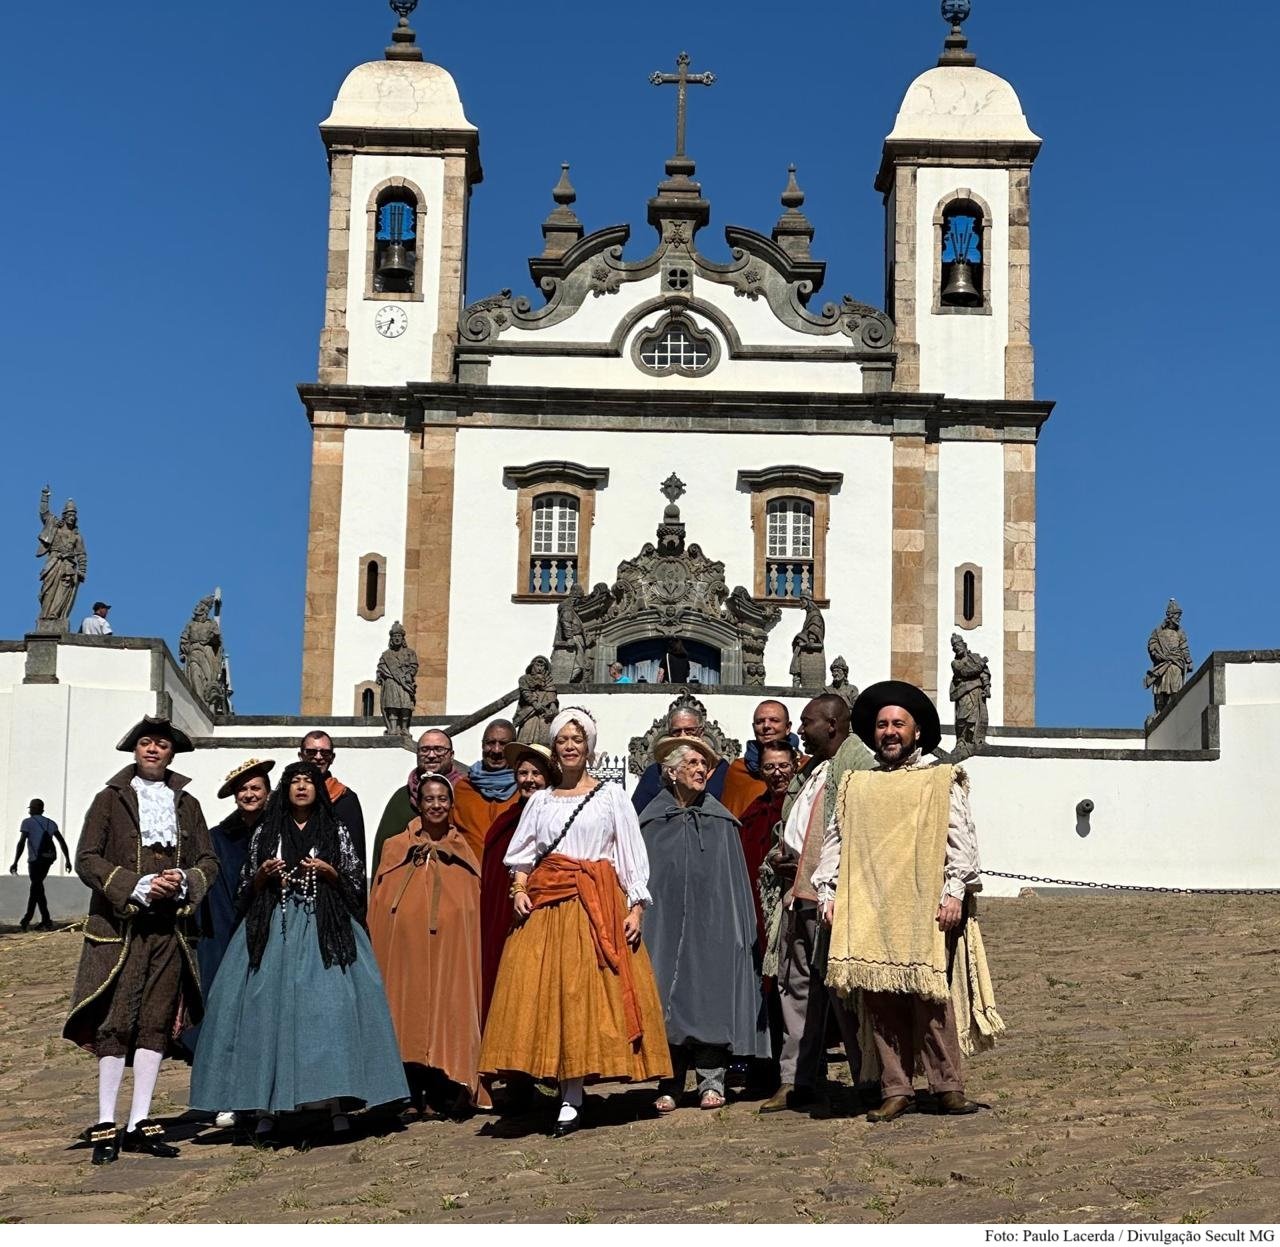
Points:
(727, 915)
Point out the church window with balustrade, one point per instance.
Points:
(789, 538)
(555, 512)
(790, 515)
(553, 563)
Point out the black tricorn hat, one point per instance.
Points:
(862, 718)
(155, 725)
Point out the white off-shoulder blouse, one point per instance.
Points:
(607, 829)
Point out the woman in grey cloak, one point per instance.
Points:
(701, 933)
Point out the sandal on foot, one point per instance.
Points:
(712, 1099)
(665, 1104)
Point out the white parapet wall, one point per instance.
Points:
(1189, 802)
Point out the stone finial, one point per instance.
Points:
(679, 200)
(562, 228)
(404, 45)
(794, 231)
(955, 48)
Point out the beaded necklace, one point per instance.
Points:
(301, 881)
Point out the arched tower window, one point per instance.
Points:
(366, 703)
(963, 255)
(553, 556)
(789, 548)
(395, 260)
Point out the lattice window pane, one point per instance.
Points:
(555, 524)
(676, 348)
(790, 529)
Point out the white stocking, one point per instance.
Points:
(146, 1069)
(570, 1098)
(110, 1076)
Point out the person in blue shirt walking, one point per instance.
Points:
(42, 839)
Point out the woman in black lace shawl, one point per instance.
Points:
(298, 1016)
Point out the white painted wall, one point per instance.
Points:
(491, 639)
(375, 499)
(373, 359)
(729, 374)
(971, 530)
(963, 355)
(1149, 823)
(598, 318)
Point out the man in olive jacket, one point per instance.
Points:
(145, 854)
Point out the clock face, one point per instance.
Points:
(391, 320)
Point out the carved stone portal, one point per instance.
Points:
(667, 590)
(640, 749)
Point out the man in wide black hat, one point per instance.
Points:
(908, 864)
(144, 853)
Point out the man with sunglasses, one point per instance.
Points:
(435, 753)
(317, 748)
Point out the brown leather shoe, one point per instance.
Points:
(953, 1104)
(892, 1108)
(778, 1102)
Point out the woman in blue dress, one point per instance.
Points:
(297, 1017)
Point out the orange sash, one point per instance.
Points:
(595, 884)
(335, 788)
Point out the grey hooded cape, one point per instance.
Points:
(701, 928)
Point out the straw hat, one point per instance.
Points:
(242, 774)
(518, 751)
(668, 743)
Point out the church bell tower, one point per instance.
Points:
(402, 161)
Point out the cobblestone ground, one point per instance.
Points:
(1140, 1081)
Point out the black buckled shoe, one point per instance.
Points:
(105, 1137)
(148, 1137)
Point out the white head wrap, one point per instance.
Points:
(576, 714)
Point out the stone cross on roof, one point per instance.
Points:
(681, 80)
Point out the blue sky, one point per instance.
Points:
(163, 267)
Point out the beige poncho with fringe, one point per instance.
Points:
(885, 935)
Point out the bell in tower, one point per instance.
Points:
(396, 256)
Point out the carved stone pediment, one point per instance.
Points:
(772, 269)
(640, 749)
(667, 590)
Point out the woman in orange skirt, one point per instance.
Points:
(424, 922)
(575, 998)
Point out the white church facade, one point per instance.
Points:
(655, 446)
(877, 459)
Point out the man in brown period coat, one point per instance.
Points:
(144, 853)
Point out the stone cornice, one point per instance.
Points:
(998, 154)
(556, 471)
(370, 141)
(790, 476)
(727, 411)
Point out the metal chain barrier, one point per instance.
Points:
(1134, 887)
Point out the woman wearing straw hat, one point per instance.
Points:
(575, 998)
(424, 921)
